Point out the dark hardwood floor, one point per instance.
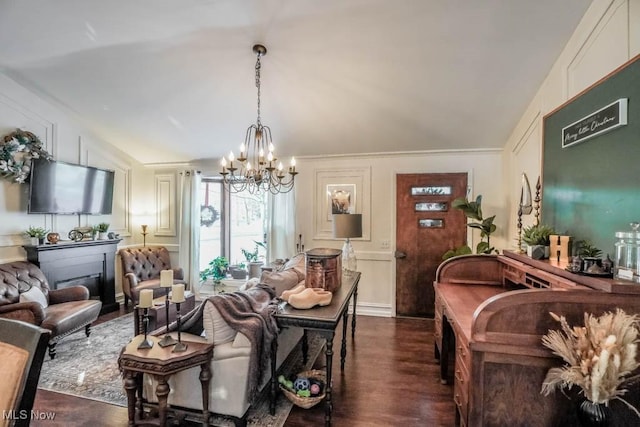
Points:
(390, 379)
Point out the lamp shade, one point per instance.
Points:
(347, 226)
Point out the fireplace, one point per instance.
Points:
(90, 263)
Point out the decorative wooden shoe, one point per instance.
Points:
(310, 297)
(296, 289)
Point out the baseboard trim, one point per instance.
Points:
(372, 309)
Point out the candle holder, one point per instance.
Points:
(144, 235)
(167, 340)
(519, 250)
(180, 346)
(146, 343)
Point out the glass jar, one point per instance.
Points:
(627, 245)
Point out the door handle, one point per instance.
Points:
(399, 255)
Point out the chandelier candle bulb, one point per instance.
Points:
(166, 278)
(177, 293)
(146, 298)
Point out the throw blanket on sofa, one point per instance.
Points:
(251, 313)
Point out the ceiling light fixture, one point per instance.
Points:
(257, 169)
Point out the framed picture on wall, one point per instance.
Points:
(341, 190)
(341, 199)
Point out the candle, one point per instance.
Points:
(166, 278)
(146, 298)
(177, 293)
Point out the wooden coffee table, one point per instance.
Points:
(157, 313)
(161, 362)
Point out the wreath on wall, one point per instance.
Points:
(208, 215)
(16, 152)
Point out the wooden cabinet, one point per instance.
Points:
(492, 311)
(90, 263)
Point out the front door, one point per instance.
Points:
(426, 228)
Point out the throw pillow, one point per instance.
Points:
(34, 294)
(280, 281)
(298, 264)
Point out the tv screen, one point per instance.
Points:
(65, 188)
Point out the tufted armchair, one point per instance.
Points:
(25, 295)
(141, 269)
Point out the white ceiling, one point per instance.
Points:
(173, 80)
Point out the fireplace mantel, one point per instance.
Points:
(89, 263)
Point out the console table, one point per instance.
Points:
(89, 263)
(323, 320)
(491, 313)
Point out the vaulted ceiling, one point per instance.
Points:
(173, 81)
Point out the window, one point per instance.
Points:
(229, 222)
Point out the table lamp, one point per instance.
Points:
(347, 226)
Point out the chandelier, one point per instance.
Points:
(257, 169)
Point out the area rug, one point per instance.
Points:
(88, 368)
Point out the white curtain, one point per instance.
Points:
(190, 227)
(281, 226)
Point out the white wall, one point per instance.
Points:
(67, 140)
(607, 37)
(376, 201)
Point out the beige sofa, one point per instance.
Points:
(228, 394)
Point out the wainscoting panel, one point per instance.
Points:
(166, 207)
(14, 196)
(606, 48)
(120, 218)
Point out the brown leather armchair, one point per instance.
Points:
(25, 295)
(141, 269)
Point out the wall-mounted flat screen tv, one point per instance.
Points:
(65, 188)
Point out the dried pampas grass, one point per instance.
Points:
(600, 356)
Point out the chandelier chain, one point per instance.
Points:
(258, 66)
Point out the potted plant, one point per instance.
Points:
(238, 271)
(599, 358)
(103, 227)
(473, 210)
(253, 264)
(589, 256)
(537, 239)
(36, 234)
(94, 232)
(215, 270)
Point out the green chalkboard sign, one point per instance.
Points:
(591, 188)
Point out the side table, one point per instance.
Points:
(162, 363)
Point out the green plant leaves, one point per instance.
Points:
(473, 210)
(537, 234)
(216, 269)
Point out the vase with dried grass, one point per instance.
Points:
(600, 359)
